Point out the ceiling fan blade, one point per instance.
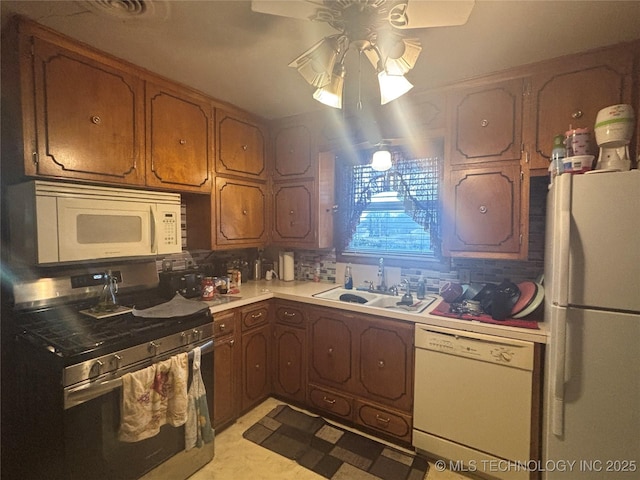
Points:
(285, 8)
(430, 13)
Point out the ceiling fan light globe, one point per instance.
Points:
(392, 87)
(402, 57)
(316, 64)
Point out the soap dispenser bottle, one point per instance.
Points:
(348, 279)
(422, 289)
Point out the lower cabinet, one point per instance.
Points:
(290, 352)
(226, 393)
(361, 370)
(256, 352)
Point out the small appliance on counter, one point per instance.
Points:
(614, 130)
(187, 283)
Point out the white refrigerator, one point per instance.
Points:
(591, 408)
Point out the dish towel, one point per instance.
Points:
(153, 397)
(197, 430)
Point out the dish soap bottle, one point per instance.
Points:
(421, 289)
(348, 279)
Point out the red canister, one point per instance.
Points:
(208, 288)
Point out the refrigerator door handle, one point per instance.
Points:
(559, 372)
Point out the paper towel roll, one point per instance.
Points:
(289, 269)
(281, 265)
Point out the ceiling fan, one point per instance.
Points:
(374, 28)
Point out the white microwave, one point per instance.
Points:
(52, 222)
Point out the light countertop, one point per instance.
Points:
(301, 291)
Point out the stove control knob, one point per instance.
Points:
(197, 334)
(96, 369)
(153, 348)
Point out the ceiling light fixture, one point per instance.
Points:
(381, 159)
(365, 25)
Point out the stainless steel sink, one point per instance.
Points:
(375, 300)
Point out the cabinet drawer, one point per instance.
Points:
(224, 324)
(254, 317)
(290, 314)
(331, 402)
(385, 421)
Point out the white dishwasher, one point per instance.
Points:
(472, 401)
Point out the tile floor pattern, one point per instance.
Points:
(237, 458)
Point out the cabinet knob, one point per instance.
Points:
(577, 114)
(222, 327)
(232, 342)
(291, 212)
(483, 209)
(380, 363)
(484, 122)
(288, 363)
(96, 120)
(182, 141)
(245, 147)
(330, 351)
(244, 212)
(257, 366)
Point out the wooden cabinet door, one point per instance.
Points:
(293, 154)
(88, 117)
(483, 213)
(241, 146)
(289, 367)
(226, 391)
(179, 136)
(293, 210)
(332, 357)
(571, 92)
(386, 362)
(241, 213)
(256, 384)
(485, 123)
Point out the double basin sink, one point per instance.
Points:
(377, 300)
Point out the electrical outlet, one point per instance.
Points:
(464, 275)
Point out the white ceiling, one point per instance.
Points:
(229, 52)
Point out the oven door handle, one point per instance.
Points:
(83, 393)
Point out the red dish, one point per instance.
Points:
(528, 293)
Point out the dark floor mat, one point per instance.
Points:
(331, 451)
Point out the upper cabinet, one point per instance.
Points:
(242, 146)
(293, 152)
(485, 123)
(83, 118)
(570, 91)
(179, 135)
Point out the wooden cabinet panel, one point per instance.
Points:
(241, 213)
(256, 349)
(486, 123)
(293, 156)
(384, 421)
(331, 353)
(241, 146)
(226, 390)
(88, 117)
(331, 402)
(289, 369)
(571, 92)
(293, 212)
(179, 136)
(386, 362)
(483, 213)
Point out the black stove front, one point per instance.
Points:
(67, 387)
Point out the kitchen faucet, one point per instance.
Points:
(407, 298)
(381, 281)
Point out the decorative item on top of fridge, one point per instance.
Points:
(614, 130)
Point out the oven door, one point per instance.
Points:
(94, 451)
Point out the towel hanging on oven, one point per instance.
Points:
(152, 397)
(197, 430)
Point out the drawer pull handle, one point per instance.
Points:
(256, 315)
(577, 114)
(330, 401)
(382, 420)
(289, 314)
